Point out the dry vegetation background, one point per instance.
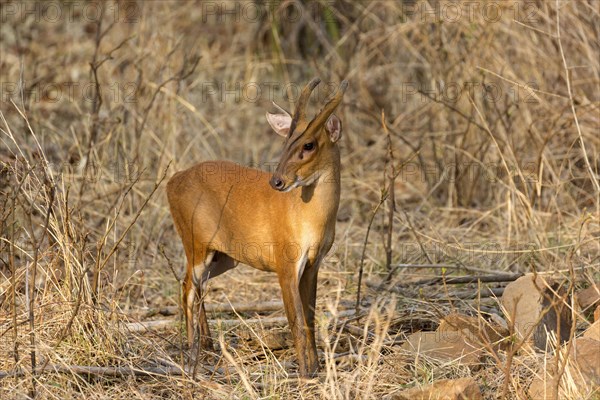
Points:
(492, 113)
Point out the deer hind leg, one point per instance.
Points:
(214, 266)
(199, 283)
(215, 263)
(193, 299)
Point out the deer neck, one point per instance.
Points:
(322, 197)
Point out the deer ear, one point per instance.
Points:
(280, 123)
(334, 128)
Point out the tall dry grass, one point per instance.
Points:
(492, 110)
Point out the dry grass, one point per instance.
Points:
(493, 111)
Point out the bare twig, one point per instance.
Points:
(188, 67)
(114, 248)
(242, 374)
(593, 177)
(389, 175)
(364, 250)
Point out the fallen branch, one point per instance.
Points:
(150, 325)
(453, 280)
(224, 323)
(358, 332)
(461, 294)
(258, 307)
(100, 371)
(470, 294)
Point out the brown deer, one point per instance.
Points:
(284, 223)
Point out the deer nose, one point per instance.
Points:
(276, 182)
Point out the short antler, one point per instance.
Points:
(300, 112)
(328, 109)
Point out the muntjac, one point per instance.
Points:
(282, 222)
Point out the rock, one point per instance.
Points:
(586, 354)
(593, 332)
(447, 389)
(581, 378)
(458, 337)
(541, 390)
(524, 302)
(589, 298)
(476, 331)
(444, 347)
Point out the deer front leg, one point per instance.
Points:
(203, 329)
(308, 294)
(294, 311)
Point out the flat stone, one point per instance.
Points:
(446, 389)
(476, 331)
(589, 298)
(458, 337)
(524, 303)
(444, 346)
(586, 353)
(540, 389)
(593, 332)
(582, 371)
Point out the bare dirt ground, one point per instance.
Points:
(490, 110)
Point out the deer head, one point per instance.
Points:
(307, 151)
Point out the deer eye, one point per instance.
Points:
(309, 146)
